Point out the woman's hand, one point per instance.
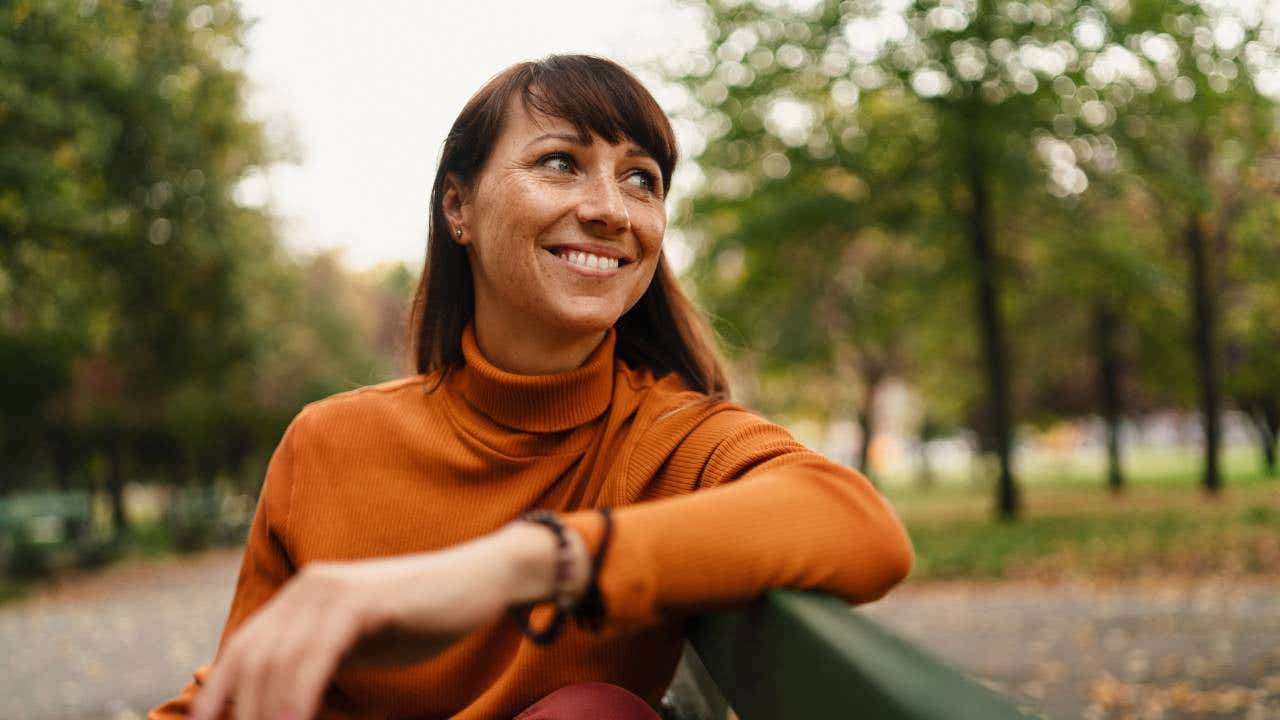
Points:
(371, 613)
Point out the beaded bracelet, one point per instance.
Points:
(588, 612)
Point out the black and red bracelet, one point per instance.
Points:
(588, 612)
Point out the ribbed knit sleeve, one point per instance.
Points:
(763, 512)
(263, 569)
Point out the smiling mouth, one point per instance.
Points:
(586, 262)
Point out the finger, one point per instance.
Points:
(222, 683)
(219, 684)
(296, 643)
(313, 672)
(261, 670)
(246, 691)
(267, 691)
(258, 666)
(214, 690)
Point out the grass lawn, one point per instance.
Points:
(1163, 523)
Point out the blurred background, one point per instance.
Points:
(1019, 262)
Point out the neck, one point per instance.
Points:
(523, 351)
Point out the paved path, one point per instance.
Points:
(113, 645)
(1161, 649)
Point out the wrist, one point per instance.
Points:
(533, 554)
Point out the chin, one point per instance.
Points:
(586, 318)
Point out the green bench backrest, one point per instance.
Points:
(807, 655)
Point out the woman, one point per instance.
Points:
(390, 567)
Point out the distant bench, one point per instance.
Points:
(42, 531)
(46, 531)
(795, 655)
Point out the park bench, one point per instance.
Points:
(797, 655)
(41, 532)
(44, 530)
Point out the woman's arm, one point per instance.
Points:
(373, 613)
(771, 513)
(511, 566)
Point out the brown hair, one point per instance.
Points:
(663, 331)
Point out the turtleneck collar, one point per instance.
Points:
(537, 403)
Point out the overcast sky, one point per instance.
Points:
(368, 95)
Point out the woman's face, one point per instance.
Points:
(563, 233)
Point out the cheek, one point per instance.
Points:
(510, 216)
(643, 283)
(649, 228)
(519, 206)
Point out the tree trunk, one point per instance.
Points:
(1105, 327)
(1008, 504)
(1265, 415)
(924, 471)
(1203, 338)
(867, 422)
(115, 485)
(238, 455)
(1271, 418)
(61, 451)
(63, 454)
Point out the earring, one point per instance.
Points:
(459, 233)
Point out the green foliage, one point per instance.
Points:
(151, 324)
(816, 248)
(844, 149)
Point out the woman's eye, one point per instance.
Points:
(650, 182)
(560, 159)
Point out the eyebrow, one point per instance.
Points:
(582, 140)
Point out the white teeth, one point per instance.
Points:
(589, 260)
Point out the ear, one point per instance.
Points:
(454, 206)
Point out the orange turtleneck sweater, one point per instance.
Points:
(720, 505)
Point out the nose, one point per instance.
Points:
(602, 207)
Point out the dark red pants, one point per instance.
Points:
(590, 701)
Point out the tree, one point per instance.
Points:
(124, 137)
(969, 101)
(792, 252)
(151, 323)
(1197, 132)
(1252, 335)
